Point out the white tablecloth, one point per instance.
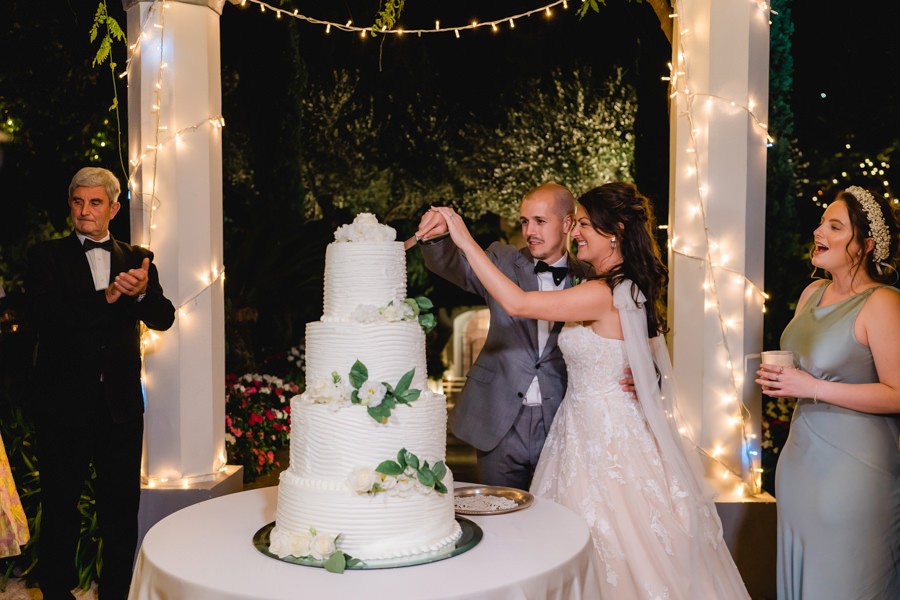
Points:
(206, 552)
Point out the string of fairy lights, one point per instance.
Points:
(153, 31)
(366, 31)
(712, 254)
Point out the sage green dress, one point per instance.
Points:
(838, 477)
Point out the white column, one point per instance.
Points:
(174, 121)
(716, 227)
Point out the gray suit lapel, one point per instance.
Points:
(527, 280)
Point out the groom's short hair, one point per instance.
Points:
(563, 200)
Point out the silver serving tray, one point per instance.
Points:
(522, 498)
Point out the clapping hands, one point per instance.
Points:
(131, 283)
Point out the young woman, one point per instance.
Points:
(838, 477)
(617, 461)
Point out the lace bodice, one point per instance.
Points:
(591, 360)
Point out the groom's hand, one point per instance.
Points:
(627, 383)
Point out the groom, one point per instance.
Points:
(516, 384)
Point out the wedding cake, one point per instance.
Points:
(367, 477)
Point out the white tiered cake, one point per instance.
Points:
(368, 439)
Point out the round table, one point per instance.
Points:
(206, 552)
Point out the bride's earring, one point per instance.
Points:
(613, 242)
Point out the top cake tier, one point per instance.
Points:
(362, 273)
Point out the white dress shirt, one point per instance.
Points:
(545, 283)
(98, 259)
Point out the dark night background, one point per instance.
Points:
(834, 80)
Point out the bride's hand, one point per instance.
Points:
(459, 233)
(432, 225)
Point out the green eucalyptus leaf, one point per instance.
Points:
(404, 382)
(427, 322)
(389, 467)
(440, 487)
(424, 303)
(379, 413)
(354, 397)
(388, 403)
(401, 458)
(336, 563)
(439, 469)
(359, 374)
(425, 477)
(412, 460)
(413, 305)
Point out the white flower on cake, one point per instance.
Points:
(365, 228)
(402, 477)
(362, 479)
(366, 313)
(300, 542)
(398, 310)
(385, 483)
(379, 404)
(371, 393)
(405, 487)
(321, 547)
(326, 391)
(313, 547)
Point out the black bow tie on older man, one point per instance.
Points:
(90, 244)
(559, 273)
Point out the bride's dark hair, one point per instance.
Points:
(619, 209)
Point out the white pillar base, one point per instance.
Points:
(160, 501)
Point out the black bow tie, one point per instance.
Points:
(559, 273)
(90, 244)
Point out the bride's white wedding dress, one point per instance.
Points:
(654, 526)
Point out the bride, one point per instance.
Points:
(617, 461)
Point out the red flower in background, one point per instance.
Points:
(257, 421)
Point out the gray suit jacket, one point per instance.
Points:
(497, 381)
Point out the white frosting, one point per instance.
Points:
(420, 427)
(388, 350)
(330, 442)
(356, 273)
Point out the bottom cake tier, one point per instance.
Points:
(404, 523)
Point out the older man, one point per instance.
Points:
(89, 293)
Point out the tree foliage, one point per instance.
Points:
(564, 128)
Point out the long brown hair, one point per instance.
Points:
(619, 209)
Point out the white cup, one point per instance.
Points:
(779, 358)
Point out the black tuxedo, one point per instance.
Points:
(89, 405)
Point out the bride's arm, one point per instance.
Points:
(580, 303)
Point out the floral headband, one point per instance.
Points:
(878, 229)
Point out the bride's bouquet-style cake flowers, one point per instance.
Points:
(365, 228)
(397, 310)
(379, 397)
(402, 477)
(311, 547)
